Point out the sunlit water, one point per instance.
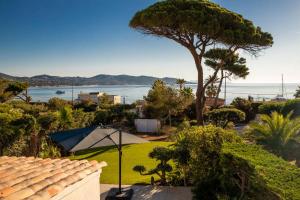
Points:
(132, 93)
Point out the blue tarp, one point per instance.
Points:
(68, 139)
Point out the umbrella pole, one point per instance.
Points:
(120, 161)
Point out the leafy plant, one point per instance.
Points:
(215, 175)
(163, 155)
(164, 102)
(65, 118)
(57, 103)
(269, 107)
(48, 150)
(291, 106)
(275, 131)
(223, 116)
(297, 93)
(245, 106)
(11, 89)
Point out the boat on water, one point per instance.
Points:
(280, 97)
(60, 92)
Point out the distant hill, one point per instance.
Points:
(101, 79)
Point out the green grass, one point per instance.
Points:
(279, 175)
(135, 154)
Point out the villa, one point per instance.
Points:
(95, 96)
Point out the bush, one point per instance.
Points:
(33, 108)
(87, 106)
(281, 107)
(277, 133)
(291, 106)
(57, 103)
(221, 117)
(198, 152)
(255, 106)
(246, 106)
(269, 107)
(103, 116)
(279, 176)
(48, 150)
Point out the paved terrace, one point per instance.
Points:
(150, 192)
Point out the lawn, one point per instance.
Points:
(280, 176)
(135, 154)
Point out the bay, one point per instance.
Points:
(131, 93)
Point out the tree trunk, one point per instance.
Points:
(219, 89)
(184, 177)
(200, 93)
(1, 150)
(200, 99)
(170, 119)
(34, 145)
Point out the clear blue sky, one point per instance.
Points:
(89, 37)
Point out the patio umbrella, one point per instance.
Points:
(93, 137)
(101, 137)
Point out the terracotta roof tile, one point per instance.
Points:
(35, 178)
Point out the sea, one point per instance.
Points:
(131, 93)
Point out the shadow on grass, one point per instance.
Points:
(140, 183)
(96, 151)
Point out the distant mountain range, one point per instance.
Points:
(101, 79)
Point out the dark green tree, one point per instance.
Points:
(212, 89)
(181, 83)
(297, 94)
(163, 155)
(199, 25)
(163, 102)
(11, 89)
(65, 118)
(232, 66)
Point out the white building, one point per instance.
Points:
(92, 96)
(95, 97)
(116, 99)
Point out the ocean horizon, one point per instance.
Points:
(131, 93)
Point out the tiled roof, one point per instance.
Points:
(35, 178)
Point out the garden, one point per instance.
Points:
(202, 148)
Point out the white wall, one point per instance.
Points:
(147, 125)
(86, 189)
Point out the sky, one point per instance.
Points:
(90, 37)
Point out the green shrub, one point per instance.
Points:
(276, 133)
(269, 107)
(57, 103)
(223, 116)
(246, 106)
(285, 108)
(214, 174)
(103, 116)
(279, 176)
(48, 150)
(87, 106)
(255, 106)
(292, 105)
